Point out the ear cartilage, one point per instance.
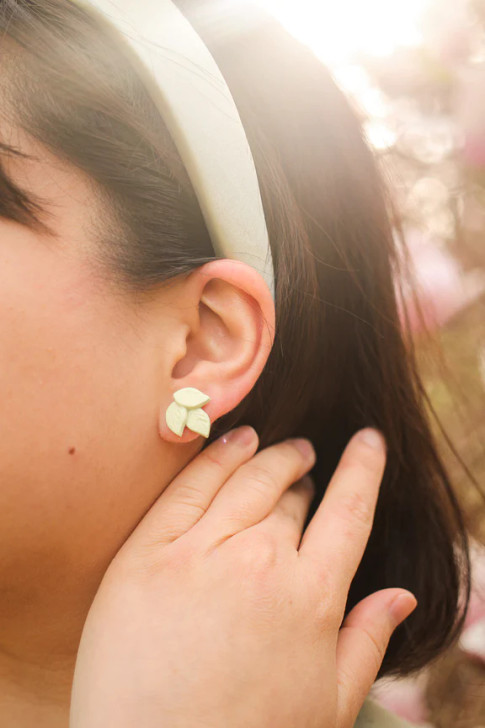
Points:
(186, 411)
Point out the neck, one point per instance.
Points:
(39, 639)
(47, 586)
(33, 694)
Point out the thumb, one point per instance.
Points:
(362, 644)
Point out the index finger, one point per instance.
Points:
(335, 539)
(188, 496)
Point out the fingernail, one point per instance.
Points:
(401, 607)
(372, 438)
(242, 436)
(305, 447)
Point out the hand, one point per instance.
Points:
(217, 612)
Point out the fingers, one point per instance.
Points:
(254, 489)
(361, 646)
(189, 495)
(334, 541)
(287, 518)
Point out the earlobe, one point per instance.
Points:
(224, 333)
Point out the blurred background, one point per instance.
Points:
(415, 72)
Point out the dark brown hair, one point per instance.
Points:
(341, 359)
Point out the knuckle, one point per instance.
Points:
(256, 557)
(213, 459)
(189, 495)
(257, 563)
(262, 552)
(375, 652)
(325, 603)
(261, 478)
(180, 555)
(318, 576)
(241, 513)
(366, 458)
(354, 507)
(328, 610)
(150, 560)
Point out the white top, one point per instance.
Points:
(374, 715)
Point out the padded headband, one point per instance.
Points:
(201, 116)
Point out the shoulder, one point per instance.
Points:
(373, 715)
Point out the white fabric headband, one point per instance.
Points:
(201, 115)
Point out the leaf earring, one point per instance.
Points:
(186, 411)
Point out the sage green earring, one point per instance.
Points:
(186, 411)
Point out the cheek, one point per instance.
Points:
(71, 407)
(57, 360)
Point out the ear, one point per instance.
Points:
(222, 334)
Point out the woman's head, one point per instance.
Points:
(112, 298)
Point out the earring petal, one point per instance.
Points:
(176, 418)
(199, 421)
(190, 397)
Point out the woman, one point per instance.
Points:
(103, 248)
